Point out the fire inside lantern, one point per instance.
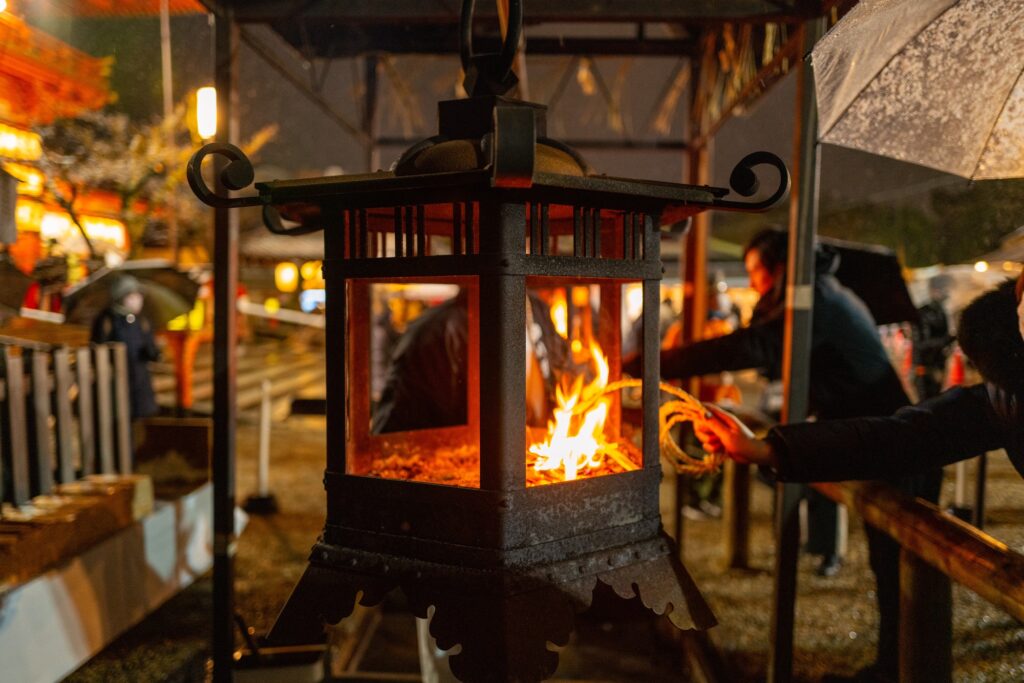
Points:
(575, 443)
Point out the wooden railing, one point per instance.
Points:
(64, 414)
(936, 548)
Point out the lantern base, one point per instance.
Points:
(502, 618)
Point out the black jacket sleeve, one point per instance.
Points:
(756, 346)
(955, 425)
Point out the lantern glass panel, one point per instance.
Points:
(412, 368)
(578, 332)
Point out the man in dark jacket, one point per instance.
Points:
(850, 376)
(955, 425)
(124, 322)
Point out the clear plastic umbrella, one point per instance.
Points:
(932, 82)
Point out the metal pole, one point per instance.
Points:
(225, 284)
(168, 91)
(803, 218)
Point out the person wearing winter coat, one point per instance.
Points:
(123, 321)
(850, 376)
(958, 424)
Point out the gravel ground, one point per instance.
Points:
(836, 620)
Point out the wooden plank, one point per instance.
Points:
(59, 527)
(122, 409)
(65, 420)
(104, 408)
(86, 420)
(28, 331)
(16, 427)
(926, 622)
(41, 454)
(52, 624)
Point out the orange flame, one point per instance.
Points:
(560, 314)
(575, 441)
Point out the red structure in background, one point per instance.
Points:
(41, 79)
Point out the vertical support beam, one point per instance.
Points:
(693, 263)
(503, 375)
(104, 408)
(694, 273)
(16, 426)
(86, 422)
(225, 338)
(803, 218)
(370, 66)
(42, 455)
(335, 339)
(736, 511)
(65, 425)
(926, 622)
(122, 414)
(651, 358)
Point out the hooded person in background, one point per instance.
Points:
(958, 424)
(932, 340)
(124, 322)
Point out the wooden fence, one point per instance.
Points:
(64, 415)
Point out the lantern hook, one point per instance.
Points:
(236, 174)
(745, 183)
(490, 73)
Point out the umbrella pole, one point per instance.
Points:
(803, 219)
(225, 334)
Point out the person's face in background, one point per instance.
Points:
(133, 302)
(762, 278)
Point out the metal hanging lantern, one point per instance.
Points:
(476, 318)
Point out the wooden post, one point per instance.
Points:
(86, 420)
(104, 408)
(41, 455)
(122, 409)
(736, 509)
(62, 399)
(926, 622)
(15, 380)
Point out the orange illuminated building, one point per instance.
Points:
(42, 79)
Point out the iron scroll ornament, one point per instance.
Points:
(237, 174)
(744, 182)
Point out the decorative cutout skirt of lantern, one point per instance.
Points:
(475, 318)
